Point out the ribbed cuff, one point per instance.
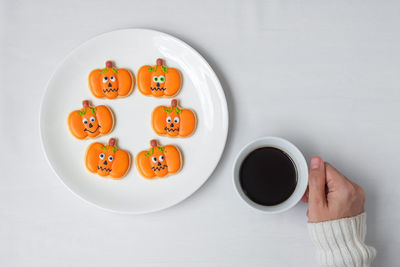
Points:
(341, 242)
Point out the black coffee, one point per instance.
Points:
(268, 176)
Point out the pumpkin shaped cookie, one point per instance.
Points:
(173, 121)
(111, 82)
(159, 80)
(90, 121)
(107, 160)
(159, 161)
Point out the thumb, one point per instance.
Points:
(317, 183)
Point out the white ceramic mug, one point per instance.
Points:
(298, 160)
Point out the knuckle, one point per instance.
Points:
(361, 193)
(350, 189)
(354, 194)
(319, 204)
(315, 178)
(353, 191)
(348, 192)
(312, 181)
(360, 190)
(312, 176)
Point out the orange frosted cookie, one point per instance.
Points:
(111, 82)
(90, 121)
(173, 121)
(107, 160)
(159, 80)
(159, 161)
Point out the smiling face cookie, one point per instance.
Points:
(90, 121)
(159, 80)
(173, 121)
(111, 82)
(159, 161)
(107, 160)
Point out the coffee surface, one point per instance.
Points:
(268, 176)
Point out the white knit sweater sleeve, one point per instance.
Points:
(341, 242)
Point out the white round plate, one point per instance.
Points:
(131, 48)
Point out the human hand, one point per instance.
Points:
(330, 195)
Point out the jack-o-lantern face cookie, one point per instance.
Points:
(159, 161)
(90, 121)
(111, 82)
(107, 160)
(173, 121)
(159, 80)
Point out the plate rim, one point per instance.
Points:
(219, 88)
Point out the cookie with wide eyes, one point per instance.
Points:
(90, 121)
(159, 80)
(107, 160)
(159, 161)
(173, 121)
(111, 82)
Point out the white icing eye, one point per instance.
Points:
(92, 119)
(155, 79)
(85, 121)
(110, 158)
(169, 119)
(105, 79)
(161, 78)
(161, 158)
(102, 156)
(176, 120)
(154, 159)
(112, 78)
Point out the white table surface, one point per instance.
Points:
(323, 74)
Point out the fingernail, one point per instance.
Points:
(315, 163)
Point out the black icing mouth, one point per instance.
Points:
(158, 88)
(171, 130)
(159, 168)
(86, 130)
(103, 169)
(110, 90)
